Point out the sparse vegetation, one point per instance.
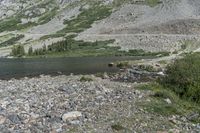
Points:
(180, 86)
(117, 127)
(163, 62)
(86, 18)
(153, 2)
(140, 52)
(159, 105)
(48, 16)
(70, 47)
(101, 75)
(9, 24)
(183, 77)
(11, 41)
(123, 64)
(86, 79)
(14, 22)
(83, 21)
(148, 68)
(73, 48)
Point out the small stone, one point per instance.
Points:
(53, 131)
(2, 119)
(14, 118)
(75, 122)
(198, 126)
(66, 89)
(71, 116)
(148, 100)
(173, 121)
(140, 96)
(168, 101)
(34, 116)
(161, 73)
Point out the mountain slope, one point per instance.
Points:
(140, 24)
(142, 27)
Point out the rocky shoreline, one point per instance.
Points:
(66, 104)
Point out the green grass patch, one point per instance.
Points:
(85, 79)
(164, 62)
(6, 37)
(148, 68)
(52, 36)
(183, 77)
(83, 21)
(123, 64)
(86, 18)
(11, 41)
(14, 22)
(181, 85)
(140, 52)
(73, 48)
(153, 3)
(159, 105)
(48, 16)
(117, 127)
(9, 24)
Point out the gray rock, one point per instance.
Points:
(75, 122)
(168, 101)
(66, 89)
(70, 116)
(2, 119)
(14, 118)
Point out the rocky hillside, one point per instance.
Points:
(151, 25)
(65, 104)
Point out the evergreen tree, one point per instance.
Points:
(44, 48)
(18, 50)
(30, 51)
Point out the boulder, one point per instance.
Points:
(70, 116)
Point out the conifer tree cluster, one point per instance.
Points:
(18, 50)
(55, 47)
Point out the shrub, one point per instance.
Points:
(159, 105)
(122, 64)
(117, 127)
(183, 77)
(86, 79)
(148, 68)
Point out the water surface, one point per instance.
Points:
(16, 68)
